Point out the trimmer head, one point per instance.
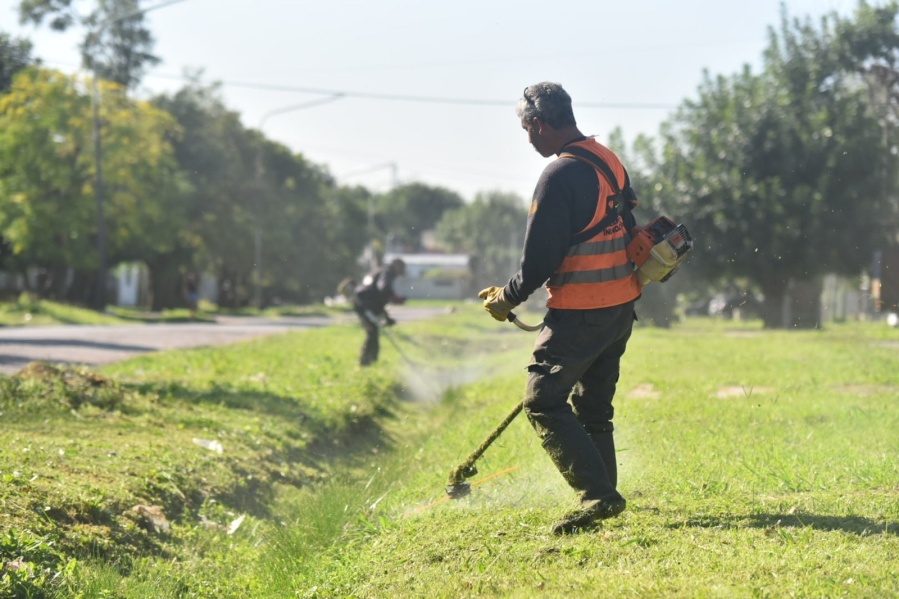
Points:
(458, 490)
(456, 487)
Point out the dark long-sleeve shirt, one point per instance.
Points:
(564, 204)
(376, 290)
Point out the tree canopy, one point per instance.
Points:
(47, 209)
(491, 230)
(117, 44)
(406, 212)
(786, 174)
(15, 55)
(782, 174)
(262, 219)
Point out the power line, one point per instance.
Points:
(136, 12)
(413, 98)
(337, 94)
(293, 107)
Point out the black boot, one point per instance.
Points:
(577, 458)
(588, 516)
(579, 462)
(605, 443)
(370, 348)
(591, 512)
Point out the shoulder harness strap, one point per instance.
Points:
(623, 200)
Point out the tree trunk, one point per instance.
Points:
(228, 292)
(804, 304)
(792, 304)
(657, 304)
(79, 292)
(26, 282)
(54, 283)
(165, 283)
(772, 311)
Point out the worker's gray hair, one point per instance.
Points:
(549, 102)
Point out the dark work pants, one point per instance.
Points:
(371, 345)
(571, 383)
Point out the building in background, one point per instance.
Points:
(433, 276)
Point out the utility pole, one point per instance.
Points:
(98, 299)
(373, 263)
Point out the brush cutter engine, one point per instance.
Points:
(658, 249)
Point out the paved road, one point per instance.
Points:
(84, 344)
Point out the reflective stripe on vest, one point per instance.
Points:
(596, 273)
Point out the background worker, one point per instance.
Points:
(370, 303)
(592, 289)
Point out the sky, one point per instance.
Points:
(430, 88)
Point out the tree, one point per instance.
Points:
(252, 198)
(117, 46)
(490, 229)
(406, 212)
(15, 55)
(301, 256)
(779, 174)
(46, 172)
(60, 13)
(219, 158)
(347, 209)
(868, 45)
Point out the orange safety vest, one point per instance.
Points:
(596, 273)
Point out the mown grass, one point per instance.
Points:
(755, 463)
(81, 450)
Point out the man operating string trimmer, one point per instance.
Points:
(370, 299)
(592, 289)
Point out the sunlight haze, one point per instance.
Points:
(431, 88)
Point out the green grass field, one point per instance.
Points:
(755, 464)
(29, 311)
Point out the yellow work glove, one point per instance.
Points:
(496, 303)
